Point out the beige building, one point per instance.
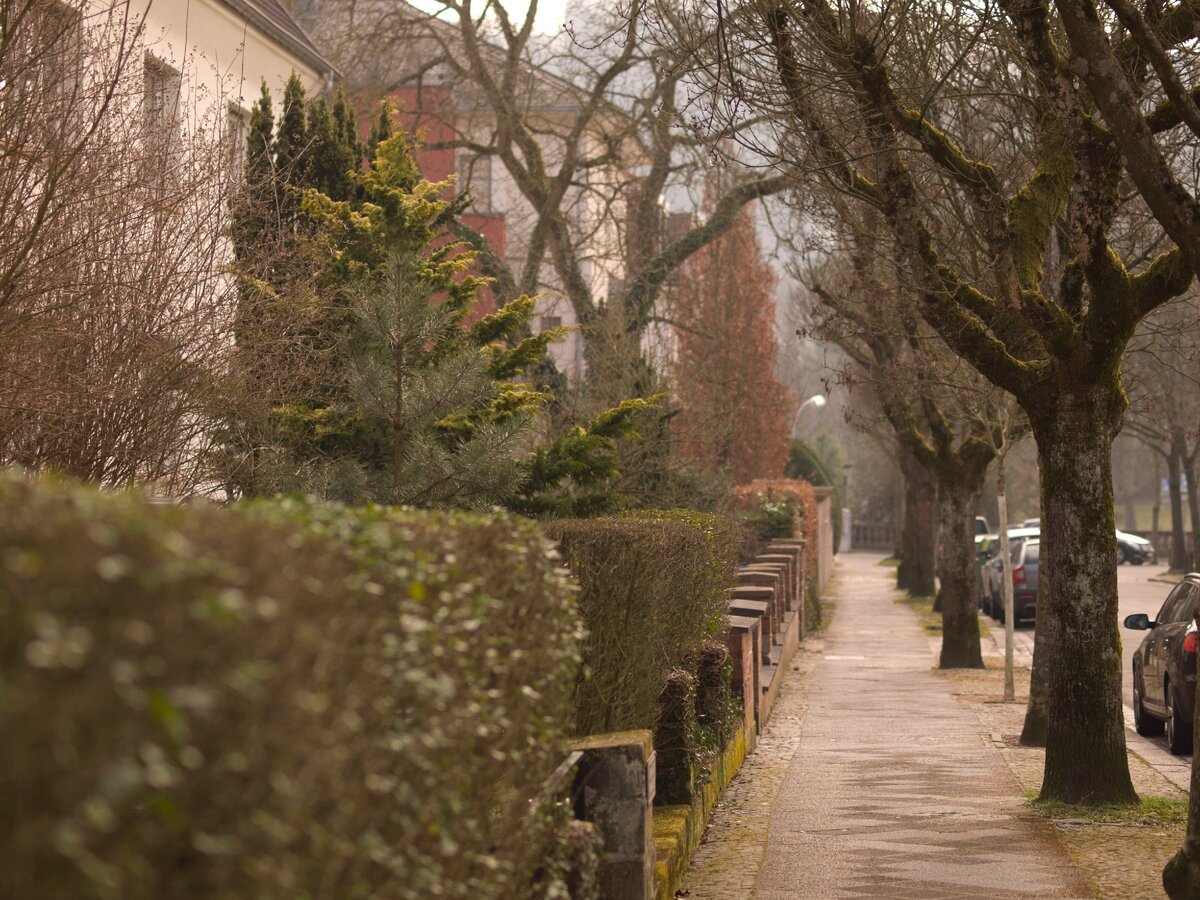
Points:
(208, 58)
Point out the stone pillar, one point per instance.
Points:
(788, 561)
(742, 641)
(614, 790)
(768, 575)
(763, 599)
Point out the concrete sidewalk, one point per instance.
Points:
(872, 781)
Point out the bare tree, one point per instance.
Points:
(1165, 413)
(945, 417)
(586, 127)
(874, 101)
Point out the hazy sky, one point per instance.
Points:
(551, 14)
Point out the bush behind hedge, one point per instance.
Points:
(801, 499)
(286, 700)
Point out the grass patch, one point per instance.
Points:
(1164, 812)
(892, 562)
(932, 621)
(923, 607)
(827, 609)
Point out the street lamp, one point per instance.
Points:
(817, 400)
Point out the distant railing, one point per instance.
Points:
(872, 536)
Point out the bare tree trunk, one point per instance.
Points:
(1037, 715)
(1086, 759)
(1189, 470)
(916, 570)
(398, 434)
(956, 571)
(1179, 554)
(1156, 537)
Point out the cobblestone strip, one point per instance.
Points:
(726, 865)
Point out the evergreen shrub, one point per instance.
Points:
(284, 699)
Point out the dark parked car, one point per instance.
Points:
(985, 549)
(1133, 549)
(1164, 666)
(992, 574)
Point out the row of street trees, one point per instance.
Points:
(993, 143)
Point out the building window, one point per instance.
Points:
(475, 175)
(160, 112)
(237, 129)
(39, 91)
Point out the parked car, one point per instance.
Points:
(1133, 549)
(993, 571)
(985, 549)
(1164, 666)
(981, 526)
(1032, 523)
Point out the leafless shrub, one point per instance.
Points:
(114, 308)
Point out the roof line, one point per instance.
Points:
(304, 49)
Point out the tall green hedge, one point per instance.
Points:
(284, 700)
(652, 589)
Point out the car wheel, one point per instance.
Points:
(1122, 556)
(1179, 735)
(1136, 562)
(1143, 723)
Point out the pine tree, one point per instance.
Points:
(291, 139)
(432, 412)
(334, 153)
(382, 129)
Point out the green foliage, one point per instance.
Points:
(389, 392)
(334, 152)
(282, 699)
(805, 463)
(652, 591)
(818, 466)
(567, 478)
(291, 138)
(432, 416)
(770, 517)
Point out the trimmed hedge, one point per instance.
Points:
(652, 591)
(282, 700)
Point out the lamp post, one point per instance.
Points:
(817, 400)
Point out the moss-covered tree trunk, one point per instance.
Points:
(958, 499)
(1037, 711)
(1181, 877)
(1086, 759)
(916, 571)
